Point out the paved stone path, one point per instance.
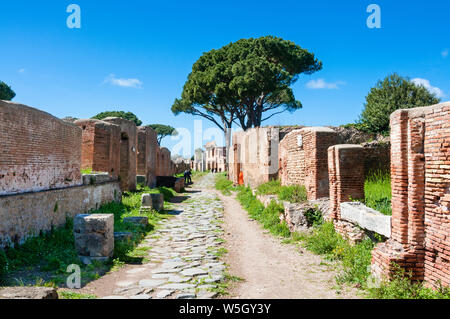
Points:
(183, 261)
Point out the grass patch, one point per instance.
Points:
(223, 184)
(377, 189)
(74, 295)
(86, 171)
(355, 259)
(401, 287)
(269, 217)
(292, 193)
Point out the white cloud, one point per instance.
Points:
(322, 84)
(22, 71)
(426, 84)
(131, 83)
(444, 53)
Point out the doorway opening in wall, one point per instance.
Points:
(124, 159)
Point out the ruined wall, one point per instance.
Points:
(128, 150)
(38, 151)
(303, 159)
(100, 150)
(255, 153)
(146, 154)
(346, 178)
(26, 215)
(420, 173)
(164, 163)
(377, 158)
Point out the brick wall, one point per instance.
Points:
(255, 153)
(303, 159)
(38, 151)
(100, 149)
(346, 178)
(377, 157)
(420, 173)
(128, 152)
(146, 154)
(26, 215)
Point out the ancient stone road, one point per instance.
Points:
(182, 258)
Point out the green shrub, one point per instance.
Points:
(314, 217)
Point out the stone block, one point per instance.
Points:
(28, 293)
(97, 178)
(94, 235)
(366, 218)
(119, 236)
(158, 201)
(136, 220)
(146, 201)
(179, 185)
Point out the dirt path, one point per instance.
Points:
(272, 270)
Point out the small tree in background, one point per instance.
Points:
(6, 93)
(125, 115)
(392, 93)
(163, 131)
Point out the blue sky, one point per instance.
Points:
(136, 55)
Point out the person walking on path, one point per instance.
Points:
(187, 177)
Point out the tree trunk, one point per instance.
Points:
(227, 129)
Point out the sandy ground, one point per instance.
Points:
(270, 269)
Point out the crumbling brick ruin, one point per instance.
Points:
(38, 151)
(163, 162)
(255, 153)
(146, 155)
(128, 150)
(346, 180)
(100, 149)
(303, 155)
(40, 182)
(420, 173)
